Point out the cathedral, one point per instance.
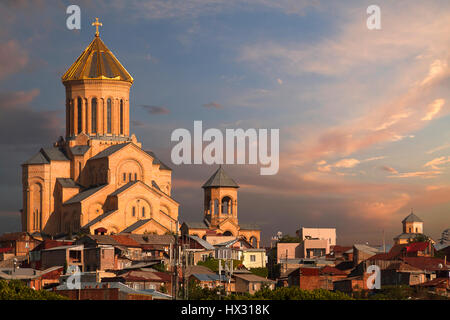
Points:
(97, 179)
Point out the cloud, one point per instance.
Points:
(23, 124)
(156, 109)
(213, 105)
(439, 148)
(417, 174)
(13, 57)
(279, 81)
(433, 164)
(433, 109)
(170, 9)
(389, 169)
(346, 163)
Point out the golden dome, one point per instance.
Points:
(97, 62)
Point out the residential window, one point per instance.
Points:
(252, 258)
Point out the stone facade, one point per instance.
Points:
(98, 177)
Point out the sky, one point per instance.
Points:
(363, 114)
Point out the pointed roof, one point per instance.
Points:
(97, 62)
(220, 179)
(412, 218)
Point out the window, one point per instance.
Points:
(124, 177)
(134, 211)
(252, 258)
(108, 115)
(94, 115)
(135, 176)
(143, 212)
(80, 114)
(121, 116)
(129, 176)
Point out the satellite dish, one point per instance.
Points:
(440, 266)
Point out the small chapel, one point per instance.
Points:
(97, 179)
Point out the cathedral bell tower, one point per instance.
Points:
(97, 95)
(220, 198)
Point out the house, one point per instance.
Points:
(17, 244)
(400, 273)
(315, 277)
(351, 284)
(287, 251)
(35, 257)
(362, 252)
(327, 234)
(67, 256)
(248, 282)
(206, 280)
(143, 280)
(439, 286)
(36, 279)
(99, 258)
(254, 258)
(314, 248)
(196, 249)
(108, 291)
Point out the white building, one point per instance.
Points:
(328, 234)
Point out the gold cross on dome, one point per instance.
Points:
(97, 24)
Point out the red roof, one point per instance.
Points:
(48, 244)
(165, 277)
(426, 263)
(332, 271)
(125, 241)
(340, 249)
(417, 246)
(309, 271)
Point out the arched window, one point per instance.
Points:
(94, 115)
(135, 176)
(108, 115)
(134, 211)
(121, 116)
(79, 114)
(143, 212)
(226, 205)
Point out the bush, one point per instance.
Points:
(262, 272)
(17, 290)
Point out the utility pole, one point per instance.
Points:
(176, 258)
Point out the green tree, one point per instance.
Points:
(18, 290)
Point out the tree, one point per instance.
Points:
(18, 290)
(420, 238)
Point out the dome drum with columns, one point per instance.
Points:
(98, 177)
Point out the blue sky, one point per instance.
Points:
(363, 115)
